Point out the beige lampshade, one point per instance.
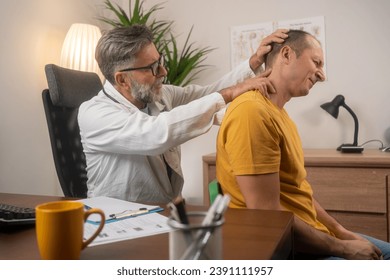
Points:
(78, 50)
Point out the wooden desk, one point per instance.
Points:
(247, 234)
(353, 188)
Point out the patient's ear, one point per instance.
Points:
(286, 54)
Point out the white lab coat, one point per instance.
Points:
(127, 149)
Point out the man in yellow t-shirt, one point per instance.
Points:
(260, 161)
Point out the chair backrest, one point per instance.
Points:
(67, 90)
(214, 190)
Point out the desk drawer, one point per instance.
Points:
(349, 189)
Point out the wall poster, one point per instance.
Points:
(246, 38)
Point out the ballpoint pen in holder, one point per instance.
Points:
(179, 214)
(214, 215)
(202, 237)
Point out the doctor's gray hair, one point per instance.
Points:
(118, 47)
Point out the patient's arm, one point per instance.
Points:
(333, 225)
(263, 192)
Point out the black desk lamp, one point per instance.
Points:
(333, 109)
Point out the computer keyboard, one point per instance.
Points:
(15, 215)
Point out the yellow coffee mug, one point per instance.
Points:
(60, 229)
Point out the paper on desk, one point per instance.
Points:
(122, 229)
(131, 228)
(111, 206)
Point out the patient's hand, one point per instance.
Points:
(361, 250)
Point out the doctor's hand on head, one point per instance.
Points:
(258, 58)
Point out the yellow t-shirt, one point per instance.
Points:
(257, 137)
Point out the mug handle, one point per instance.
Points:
(103, 220)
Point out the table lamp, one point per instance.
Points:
(333, 109)
(78, 49)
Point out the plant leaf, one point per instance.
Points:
(183, 64)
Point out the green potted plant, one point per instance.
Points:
(183, 64)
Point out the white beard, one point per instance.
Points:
(146, 93)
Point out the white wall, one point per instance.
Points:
(357, 49)
(32, 33)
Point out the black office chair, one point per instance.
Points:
(67, 90)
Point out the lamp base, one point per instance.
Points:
(350, 148)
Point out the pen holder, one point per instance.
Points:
(194, 240)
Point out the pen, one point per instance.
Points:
(212, 211)
(174, 213)
(223, 205)
(190, 251)
(215, 213)
(202, 242)
(181, 210)
(132, 213)
(179, 214)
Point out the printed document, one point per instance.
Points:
(122, 229)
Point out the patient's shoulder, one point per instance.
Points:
(249, 103)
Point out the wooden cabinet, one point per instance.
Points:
(353, 188)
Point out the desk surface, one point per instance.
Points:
(247, 234)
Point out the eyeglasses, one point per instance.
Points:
(154, 67)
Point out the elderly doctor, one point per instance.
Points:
(131, 131)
